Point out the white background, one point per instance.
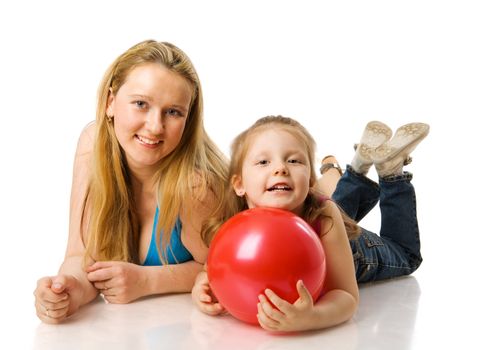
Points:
(331, 65)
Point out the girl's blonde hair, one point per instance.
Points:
(193, 169)
(239, 148)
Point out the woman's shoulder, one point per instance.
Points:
(88, 131)
(86, 139)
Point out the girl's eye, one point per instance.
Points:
(140, 104)
(294, 161)
(262, 162)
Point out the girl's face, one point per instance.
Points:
(150, 111)
(276, 171)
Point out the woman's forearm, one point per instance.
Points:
(84, 292)
(172, 278)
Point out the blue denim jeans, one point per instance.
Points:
(396, 251)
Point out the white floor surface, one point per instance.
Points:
(406, 313)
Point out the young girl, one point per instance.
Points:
(146, 175)
(272, 165)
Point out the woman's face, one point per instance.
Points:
(149, 114)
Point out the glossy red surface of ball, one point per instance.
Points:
(263, 248)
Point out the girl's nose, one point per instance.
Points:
(281, 169)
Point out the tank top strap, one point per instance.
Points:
(316, 225)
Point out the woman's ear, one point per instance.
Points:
(110, 103)
(236, 182)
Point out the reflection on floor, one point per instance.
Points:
(386, 320)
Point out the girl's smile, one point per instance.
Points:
(275, 172)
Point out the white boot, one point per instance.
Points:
(390, 157)
(375, 134)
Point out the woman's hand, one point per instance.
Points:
(57, 298)
(204, 298)
(119, 282)
(285, 316)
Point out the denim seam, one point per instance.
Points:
(406, 176)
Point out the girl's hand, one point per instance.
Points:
(119, 282)
(204, 298)
(285, 316)
(56, 298)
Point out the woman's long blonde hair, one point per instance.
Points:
(312, 205)
(193, 169)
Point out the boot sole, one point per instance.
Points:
(403, 142)
(375, 134)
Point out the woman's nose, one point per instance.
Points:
(155, 123)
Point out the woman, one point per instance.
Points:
(147, 153)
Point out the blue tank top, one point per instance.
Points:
(176, 251)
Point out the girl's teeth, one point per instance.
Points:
(280, 188)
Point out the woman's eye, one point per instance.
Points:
(174, 112)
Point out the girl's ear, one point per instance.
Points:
(236, 182)
(110, 104)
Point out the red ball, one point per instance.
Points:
(263, 248)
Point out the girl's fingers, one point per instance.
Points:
(304, 294)
(269, 310)
(279, 303)
(264, 320)
(205, 298)
(213, 309)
